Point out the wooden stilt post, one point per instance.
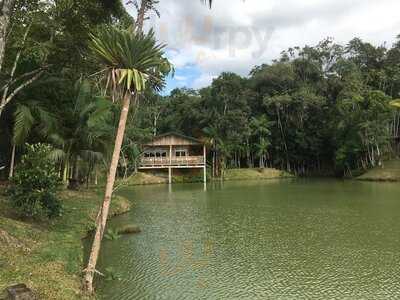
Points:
(170, 165)
(205, 164)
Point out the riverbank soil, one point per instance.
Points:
(390, 171)
(48, 257)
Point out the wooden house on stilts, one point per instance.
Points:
(174, 151)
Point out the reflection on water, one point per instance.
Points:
(301, 239)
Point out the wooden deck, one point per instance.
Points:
(174, 162)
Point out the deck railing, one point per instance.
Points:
(174, 161)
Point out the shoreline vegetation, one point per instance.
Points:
(141, 178)
(389, 171)
(255, 174)
(48, 256)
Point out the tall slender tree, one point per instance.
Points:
(6, 10)
(131, 62)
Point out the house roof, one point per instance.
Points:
(182, 136)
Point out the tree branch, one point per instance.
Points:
(21, 87)
(17, 57)
(24, 75)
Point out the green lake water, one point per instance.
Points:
(289, 239)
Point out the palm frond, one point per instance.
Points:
(47, 120)
(134, 61)
(91, 156)
(395, 103)
(56, 139)
(84, 91)
(101, 114)
(23, 123)
(57, 155)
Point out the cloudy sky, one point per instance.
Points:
(237, 35)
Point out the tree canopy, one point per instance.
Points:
(323, 108)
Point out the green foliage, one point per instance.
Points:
(57, 36)
(84, 130)
(312, 110)
(33, 191)
(55, 258)
(130, 60)
(111, 275)
(112, 235)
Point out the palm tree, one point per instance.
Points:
(261, 133)
(143, 7)
(29, 115)
(212, 133)
(262, 148)
(131, 62)
(84, 133)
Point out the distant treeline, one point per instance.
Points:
(314, 110)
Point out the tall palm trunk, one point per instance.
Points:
(12, 163)
(65, 172)
(103, 214)
(101, 219)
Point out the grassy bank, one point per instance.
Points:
(390, 171)
(255, 174)
(230, 174)
(144, 179)
(48, 257)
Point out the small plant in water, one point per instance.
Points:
(112, 235)
(111, 275)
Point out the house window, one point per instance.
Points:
(155, 154)
(161, 154)
(180, 153)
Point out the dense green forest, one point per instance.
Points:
(50, 92)
(319, 109)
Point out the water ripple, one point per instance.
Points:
(281, 240)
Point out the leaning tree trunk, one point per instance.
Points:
(101, 219)
(103, 214)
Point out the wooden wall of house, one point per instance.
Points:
(172, 140)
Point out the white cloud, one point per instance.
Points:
(230, 36)
(203, 81)
(180, 78)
